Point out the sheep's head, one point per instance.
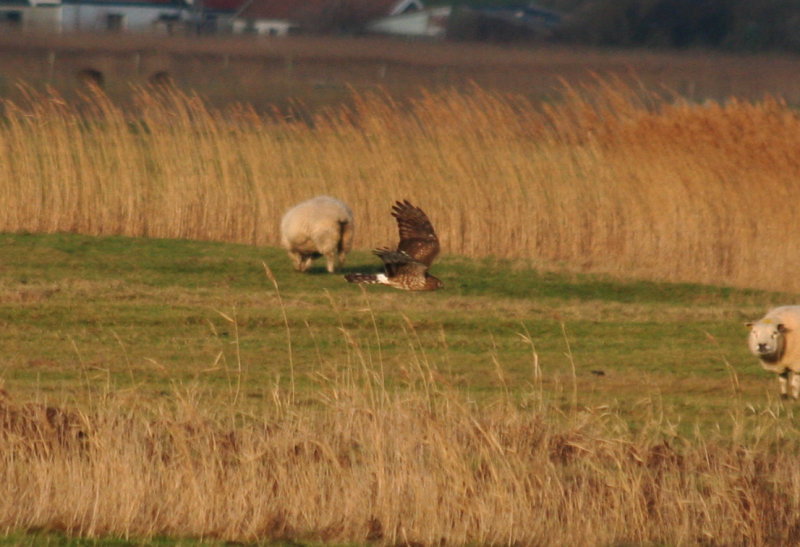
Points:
(767, 339)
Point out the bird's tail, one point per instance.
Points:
(362, 278)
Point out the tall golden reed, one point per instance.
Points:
(610, 179)
(422, 466)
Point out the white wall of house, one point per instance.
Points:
(102, 17)
(263, 27)
(404, 6)
(46, 17)
(427, 23)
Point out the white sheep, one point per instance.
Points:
(321, 226)
(775, 340)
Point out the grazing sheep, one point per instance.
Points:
(321, 226)
(775, 340)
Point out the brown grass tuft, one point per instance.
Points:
(419, 468)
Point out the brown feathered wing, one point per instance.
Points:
(417, 238)
(407, 267)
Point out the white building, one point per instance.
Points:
(264, 17)
(281, 17)
(33, 15)
(119, 16)
(430, 23)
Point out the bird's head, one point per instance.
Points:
(433, 283)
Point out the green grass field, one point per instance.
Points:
(206, 398)
(83, 316)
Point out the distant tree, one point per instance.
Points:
(767, 24)
(729, 24)
(681, 23)
(341, 16)
(603, 22)
(732, 24)
(477, 3)
(468, 24)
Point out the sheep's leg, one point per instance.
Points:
(783, 379)
(332, 262)
(795, 385)
(306, 262)
(297, 260)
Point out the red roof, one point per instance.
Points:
(221, 5)
(284, 9)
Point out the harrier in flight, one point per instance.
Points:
(407, 267)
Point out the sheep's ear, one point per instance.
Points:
(782, 328)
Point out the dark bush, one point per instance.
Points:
(739, 25)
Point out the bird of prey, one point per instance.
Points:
(407, 267)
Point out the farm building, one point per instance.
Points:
(92, 15)
(426, 23)
(30, 15)
(261, 17)
(120, 16)
(281, 17)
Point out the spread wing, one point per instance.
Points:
(417, 238)
(400, 263)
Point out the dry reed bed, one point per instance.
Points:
(611, 179)
(421, 466)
